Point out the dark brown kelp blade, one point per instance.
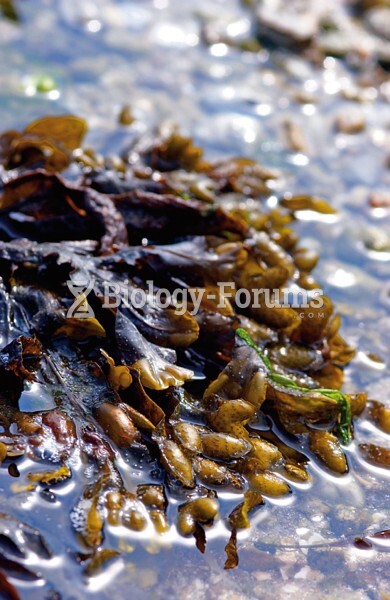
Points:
(231, 551)
(45, 208)
(200, 538)
(164, 217)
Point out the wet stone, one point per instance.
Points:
(378, 20)
(350, 121)
(295, 22)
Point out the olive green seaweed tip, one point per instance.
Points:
(345, 415)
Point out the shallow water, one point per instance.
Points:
(102, 55)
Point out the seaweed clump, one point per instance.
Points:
(183, 385)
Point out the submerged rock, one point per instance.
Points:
(290, 22)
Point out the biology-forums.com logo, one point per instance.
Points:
(190, 300)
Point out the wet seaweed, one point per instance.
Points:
(124, 375)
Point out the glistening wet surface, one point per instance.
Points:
(323, 125)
